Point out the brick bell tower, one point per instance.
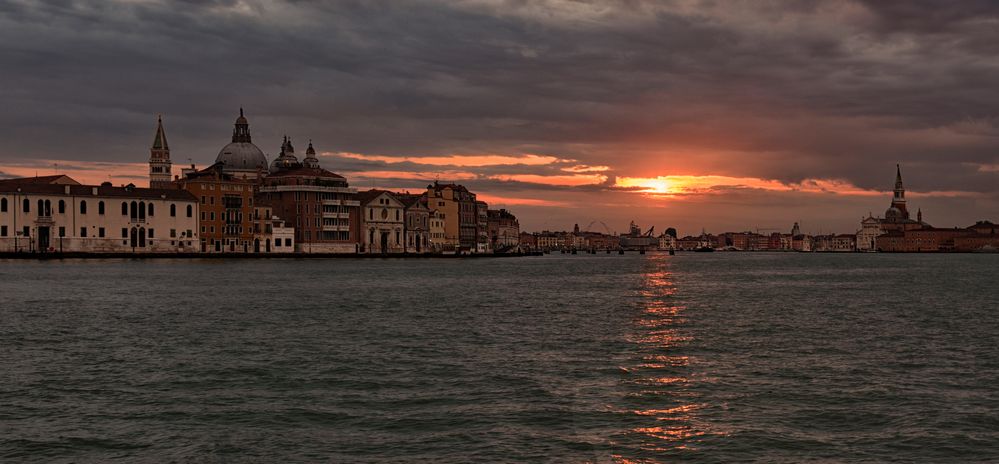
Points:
(159, 159)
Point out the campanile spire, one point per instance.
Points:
(159, 158)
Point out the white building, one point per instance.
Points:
(870, 228)
(56, 213)
(382, 216)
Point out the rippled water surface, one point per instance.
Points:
(697, 357)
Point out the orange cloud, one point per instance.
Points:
(585, 168)
(688, 185)
(428, 176)
(495, 201)
(454, 160)
(570, 181)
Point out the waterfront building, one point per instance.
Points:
(270, 234)
(528, 241)
(667, 242)
(482, 242)
(550, 240)
(226, 212)
(439, 241)
(417, 225)
(461, 217)
(504, 230)
(56, 213)
(382, 222)
(318, 204)
(160, 172)
(870, 229)
(984, 238)
(241, 158)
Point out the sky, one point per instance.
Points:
(714, 115)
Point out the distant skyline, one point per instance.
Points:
(691, 114)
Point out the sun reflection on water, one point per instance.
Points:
(660, 383)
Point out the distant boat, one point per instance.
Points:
(987, 249)
(704, 249)
(672, 251)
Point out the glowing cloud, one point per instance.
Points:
(454, 160)
(568, 181)
(690, 185)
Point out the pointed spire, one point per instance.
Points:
(898, 173)
(160, 141)
(241, 111)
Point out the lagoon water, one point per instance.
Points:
(718, 357)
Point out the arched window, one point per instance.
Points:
(150, 209)
(48, 208)
(124, 208)
(100, 207)
(83, 206)
(41, 208)
(173, 210)
(26, 206)
(62, 207)
(142, 210)
(190, 211)
(134, 211)
(3, 205)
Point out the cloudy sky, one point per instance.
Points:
(725, 115)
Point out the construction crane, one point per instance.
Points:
(649, 233)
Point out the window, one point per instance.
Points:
(62, 231)
(213, 229)
(202, 229)
(151, 235)
(83, 209)
(26, 206)
(124, 231)
(277, 241)
(26, 231)
(211, 200)
(3, 205)
(213, 215)
(173, 210)
(189, 234)
(3, 229)
(62, 207)
(190, 210)
(83, 232)
(142, 210)
(396, 215)
(100, 208)
(134, 211)
(173, 233)
(124, 209)
(287, 242)
(100, 232)
(371, 213)
(150, 209)
(203, 215)
(202, 199)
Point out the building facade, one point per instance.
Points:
(318, 204)
(461, 214)
(504, 230)
(226, 210)
(57, 214)
(417, 224)
(382, 222)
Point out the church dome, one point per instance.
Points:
(894, 214)
(242, 156)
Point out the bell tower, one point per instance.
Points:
(159, 159)
(898, 200)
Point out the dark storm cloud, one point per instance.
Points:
(785, 90)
